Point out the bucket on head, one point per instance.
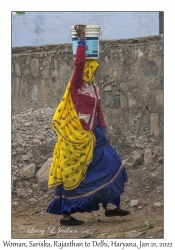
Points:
(92, 36)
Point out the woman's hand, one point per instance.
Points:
(80, 30)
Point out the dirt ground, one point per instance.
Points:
(29, 219)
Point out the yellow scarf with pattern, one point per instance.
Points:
(73, 151)
(89, 70)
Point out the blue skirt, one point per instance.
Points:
(104, 182)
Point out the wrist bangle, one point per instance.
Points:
(82, 39)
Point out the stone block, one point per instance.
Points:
(159, 97)
(114, 90)
(45, 61)
(154, 124)
(139, 53)
(44, 72)
(115, 102)
(26, 157)
(144, 119)
(35, 67)
(123, 85)
(117, 92)
(18, 70)
(107, 101)
(42, 173)
(28, 171)
(107, 88)
(54, 73)
(56, 64)
(34, 93)
(158, 204)
(20, 192)
(149, 68)
(148, 157)
(115, 74)
(39, 137)
(131, 100)
(106, 59)
(37, 142)
(134, 203)
(123, 101)
(49, 140)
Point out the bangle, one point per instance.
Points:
(81, 39)
(82, 43)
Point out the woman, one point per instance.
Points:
(86, 170)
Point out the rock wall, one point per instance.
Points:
(130, 78)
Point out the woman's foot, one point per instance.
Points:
(116, 212)
(71, 222)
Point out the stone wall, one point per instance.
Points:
(130, 78)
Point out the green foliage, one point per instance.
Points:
(20, 12)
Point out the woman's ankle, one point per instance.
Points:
(110, 206)
(66, 216)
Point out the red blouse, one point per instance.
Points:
(85, 96)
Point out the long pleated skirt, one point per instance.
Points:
(104, 182)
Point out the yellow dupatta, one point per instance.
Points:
(90, 68)
(73, 151)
